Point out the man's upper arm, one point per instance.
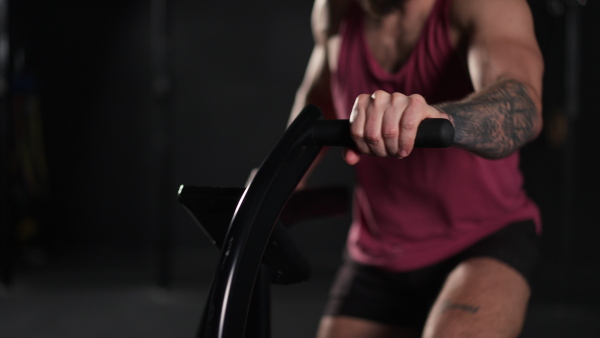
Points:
(501, 43)
(315, 88)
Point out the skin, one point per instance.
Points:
(482, 297)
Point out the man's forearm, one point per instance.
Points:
(496, 121)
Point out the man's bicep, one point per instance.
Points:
(506, 68)
(502, 43)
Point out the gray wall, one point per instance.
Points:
(235, 66)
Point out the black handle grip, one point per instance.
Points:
(432, 133)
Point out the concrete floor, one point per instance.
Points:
(70, 299)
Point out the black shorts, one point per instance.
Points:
(404, 299)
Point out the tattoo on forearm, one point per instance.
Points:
(463, 307)
(494, 122)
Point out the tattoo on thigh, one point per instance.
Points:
(448, 305)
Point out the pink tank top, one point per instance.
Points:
(414, 212)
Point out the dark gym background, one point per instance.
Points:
(137, 97)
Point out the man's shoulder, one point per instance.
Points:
(327, 16)
(466, 12)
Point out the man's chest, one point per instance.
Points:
(389, 47)
(390, 44)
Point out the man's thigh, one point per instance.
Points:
(364, 297)
(371, 296)
(487, 293)
(482, 297)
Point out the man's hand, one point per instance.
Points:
(385, 125)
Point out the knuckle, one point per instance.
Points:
(400, 101)
(380, 96)
(390, 133)
(362, 100)
(398, 97)
(363, 97)
(417, 99)
(379, 92)
(356, 135)
(371, 138)
(410, 125)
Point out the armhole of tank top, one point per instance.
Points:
(337, 21)
(455, 46)
(347, 16)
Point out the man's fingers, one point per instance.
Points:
(357, 122)
(380, 101)
(390, 128)
(384, 124)
(409, 123)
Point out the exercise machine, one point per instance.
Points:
(246, 224)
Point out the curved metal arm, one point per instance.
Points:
(252, 224)
(255, 218)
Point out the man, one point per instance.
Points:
(443, 240)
